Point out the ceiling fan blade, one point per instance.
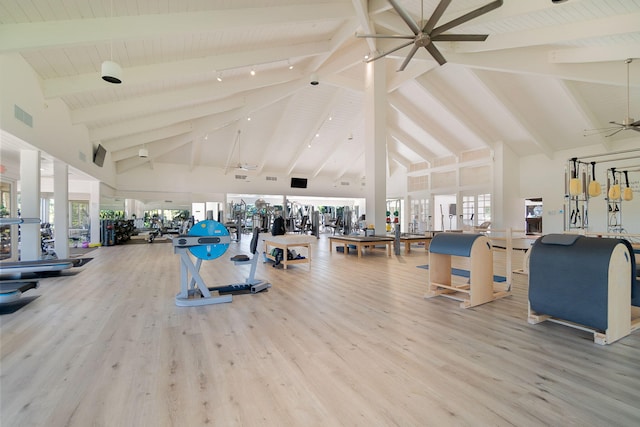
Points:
(384, 36)
(611, 134)
(382, 55)
(467, 17)
(405, 16)
(414, 49)
(636, 123)
(437, 14)
(460, 38)
(436, 54)
(593, 132)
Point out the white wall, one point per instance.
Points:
(202, 184)
(52, 131)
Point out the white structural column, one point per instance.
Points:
(507, 208)
(61, 208)
(94, 211)
(375, 151)
(30, 248)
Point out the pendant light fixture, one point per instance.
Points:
(111, 71)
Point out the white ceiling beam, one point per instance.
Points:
(411, 143)
(362, 16)
(348, 166)
(60, 33)
(393, 154)
(557, 34)
(274, 140)
(122, 143)
(445, 102)
(581, 107)
(158, 102)
(195, 152)
(146, 123)
(511, 109)
(320, 119)
(443, 136)
(167, 71)
(535, 60)
(582, 55)
(412, 71)
(335, 146)
(338, 42)
(217, 114)
(177, 141)
(156, 150)
(349, 56)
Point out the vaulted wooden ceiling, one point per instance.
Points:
(545, 74)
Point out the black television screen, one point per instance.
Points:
(98, 156)
(298, 182)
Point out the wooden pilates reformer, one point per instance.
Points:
(209, 240)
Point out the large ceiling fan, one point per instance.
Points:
(626, 124)
(427, 34)
(240, 165)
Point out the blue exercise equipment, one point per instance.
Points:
(208, 240)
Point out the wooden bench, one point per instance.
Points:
(360, 242)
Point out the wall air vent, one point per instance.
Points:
(272, 178)
(23, 116)
(241, 177)
(344, 183)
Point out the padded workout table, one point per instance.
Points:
(414, 238)
(360, 242)
(289, 241)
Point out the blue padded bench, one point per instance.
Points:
(585, 282)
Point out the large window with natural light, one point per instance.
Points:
(78, 214)
(484, 208)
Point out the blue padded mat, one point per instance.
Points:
(458, 244)
(466, 273)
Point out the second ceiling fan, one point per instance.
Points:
(427, 34)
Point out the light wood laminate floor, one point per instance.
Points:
(350, 342)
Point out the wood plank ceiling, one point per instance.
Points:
(546, 72)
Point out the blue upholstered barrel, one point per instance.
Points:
(458, 244)
(568, 277)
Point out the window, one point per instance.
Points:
(78, 214)
(468, 210)
(419, 221)
(484, 208)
